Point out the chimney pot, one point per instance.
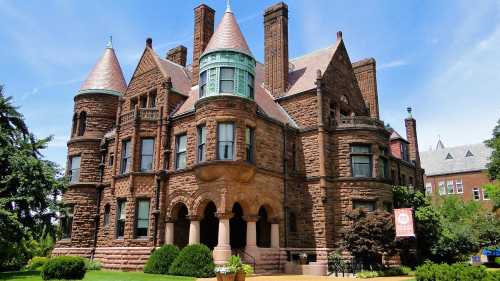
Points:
(149, 42)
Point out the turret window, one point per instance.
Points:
(74, 127)
(249, 136)
(250, 82)
(361, 161)
(203, 84)
(147, 152)
(225, 141)
(82, 123)
(74, 172)
(181, 152)
(67, 222)
(226, 80)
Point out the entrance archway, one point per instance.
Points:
(238, 226)
(181, 226)
(209, 226)
(263, 229)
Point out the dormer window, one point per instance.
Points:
(469, 154)
(226, 80)
(449, 157)
(203, 84)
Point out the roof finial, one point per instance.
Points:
(409, 111)
(110, 43)
(228, 6)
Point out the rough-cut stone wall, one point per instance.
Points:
(302, 108)
(366, 75)
(203, 30)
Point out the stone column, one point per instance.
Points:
(275, 235)
(194, 230)
(251, 247)
(169, 232)
(222, 252)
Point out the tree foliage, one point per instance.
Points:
(494, 143)
(369, 236)
(29, 186)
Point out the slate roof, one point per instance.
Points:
(228, 36)
(106, 75)
(181, 77)
(396, 136)
(435, 162)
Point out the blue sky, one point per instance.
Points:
(440, 57)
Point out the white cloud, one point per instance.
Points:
(392, 64)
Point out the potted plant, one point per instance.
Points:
(303, 258)
(225, 273)
(246, 269)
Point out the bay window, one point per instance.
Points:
(250, 82)
(226, 80)
(203, 84)
(147, 152)
(361, 161)
(225, 141)
(74, 172)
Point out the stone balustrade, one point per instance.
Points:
(146, 114)
(359, 122)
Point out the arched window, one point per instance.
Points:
(82, 123)
(73, 128)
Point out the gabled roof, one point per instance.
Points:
(228, 36)
(302, 75)
(263, 98)
(396, 136)
(106, 76)
(181, 78)
(438, 162)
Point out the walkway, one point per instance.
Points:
(313, 278)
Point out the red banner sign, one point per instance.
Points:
(404, 222)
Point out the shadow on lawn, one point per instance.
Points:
(19, 275)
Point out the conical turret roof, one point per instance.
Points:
(228, 36)
(106, 76)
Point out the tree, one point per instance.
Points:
(494, 143)
(369, 236)
(29, 186)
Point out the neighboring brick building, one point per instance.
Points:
(236, 154)
(457, 171)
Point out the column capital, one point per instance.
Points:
(170, 220)
(224, 216)
(194, 218)
(251, 218)
(274, 220)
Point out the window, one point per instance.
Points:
(111, 159)
(180, 152)
(202, 140)
(250, 82)
(82, 123)
(459, 186)
(477, 193)
(67, 222)
(75, 121)
(107, 210)
(225, 141)
(449, 187)
(428, 188)
(143, 101)
(120, 218)
(404, 151)
(361, 161)
(365, 205)
(249, 143)
(442, 188)
(449, 157)
(126, 156)
(292, 222)
(226, 80)
(152, 99)
(133, 103)
(383, 164)
(142, 218)
(294, 157)
(147, 152)
(486, 196)
(74, 172)
(203, 84)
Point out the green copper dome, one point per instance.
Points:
(227, 66)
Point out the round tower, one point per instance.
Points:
(95, 109)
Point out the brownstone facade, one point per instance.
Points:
(151, 172)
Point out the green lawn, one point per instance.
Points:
(99, 276)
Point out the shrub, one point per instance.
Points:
(194, 260)
(396, 271)
(64, 267)
(36, 263)
(367, 274)
(160, 260)
(457, 272)
(92, 264)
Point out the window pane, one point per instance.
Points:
(143, 214)
(75, 162)
(203, 78)
(121, 210)
(367, 205)
(360, 149)
(442, 188)
(226, 86)
(181, 160)
(361, 166)
(227, 73)
(226, 132)
(225, 141)
(181, 143)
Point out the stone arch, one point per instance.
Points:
(200, 202)
(179, 216)
(272, 207)
(177, 198)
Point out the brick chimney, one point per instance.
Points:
(178, 55)
(276, 48)
(366, 74)
(411, 135)
(203, 30)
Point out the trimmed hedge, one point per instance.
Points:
(456, 272)
(36, 263)
(64, 267)
(195, 261)
(160, 260)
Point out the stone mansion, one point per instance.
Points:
(263, 159)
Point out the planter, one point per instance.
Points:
(225, 277)
(240, 276)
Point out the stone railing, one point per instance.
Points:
(359, 122)
(147, 114)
